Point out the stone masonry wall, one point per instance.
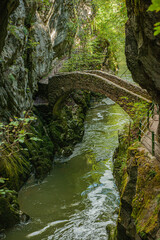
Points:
(60, 84)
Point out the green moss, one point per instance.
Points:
(120, 162)
(56, 132)
(9, 210)
(58, 105)
(41, 154)
(146, 203)
(67, 124)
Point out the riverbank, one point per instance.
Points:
(54, 133)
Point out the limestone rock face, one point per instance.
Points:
(36, 36)
(59, 25)
(6, 8)
(13, 73)
(142, 47)
(26, 57)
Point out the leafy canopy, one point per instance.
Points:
(110, 22)
(100, 38)
(155, 6)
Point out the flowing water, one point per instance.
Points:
(79, 198)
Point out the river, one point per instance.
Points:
(79, 197)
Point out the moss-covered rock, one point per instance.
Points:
(40, 152)
(66, 127)
(9, 210)
(139, 216)
(35, 154)
(120, 162)
(111, 231)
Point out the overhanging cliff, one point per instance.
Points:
(142, 47)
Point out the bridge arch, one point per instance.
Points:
(120, 91)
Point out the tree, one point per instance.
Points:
(100, 38)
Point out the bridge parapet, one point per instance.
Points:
(121, 82)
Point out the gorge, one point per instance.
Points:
(36, 38)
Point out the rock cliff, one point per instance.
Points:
(139, 216)
(6, 8)
(36, 35)
(142, 47)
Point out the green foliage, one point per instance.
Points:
(155, 6)
(25, 30)
(11, 77)
(157, 28)
(3, 189)
(1, 60)
(12, 138)
(14, 133)
(142, 234)
(137, 109)
(44, 2)
(99, 38)
(110, 22)
(2, 180)
(83, 60)
(140, 108)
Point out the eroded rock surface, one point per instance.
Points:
(142, 47)
(6, 8)
(139, 216)
(37, 34)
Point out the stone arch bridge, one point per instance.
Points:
(120, 91)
